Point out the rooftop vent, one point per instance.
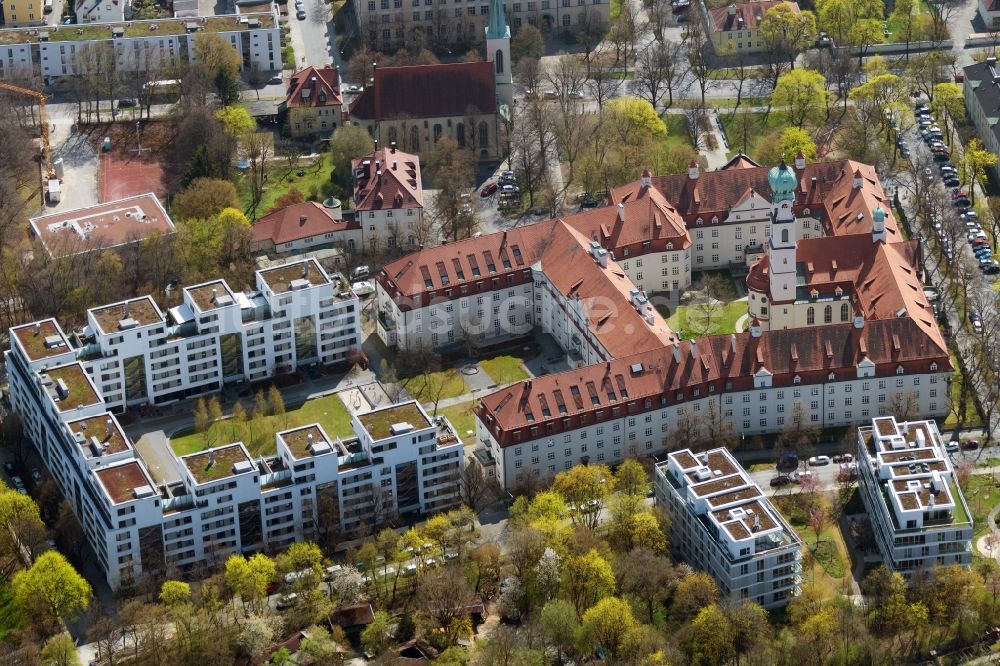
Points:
(127, 323)
(142, 491)
(242, 466)
(400, 428)
(53, 341)
(62, 389)
(318, 448)
(298, 284)
(703, 474)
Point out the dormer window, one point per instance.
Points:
(699, 222)
(796, 380)
(839, 292)
(715, 219)
(934, 367)
(899, 370)
(806, 212)
(670, 246)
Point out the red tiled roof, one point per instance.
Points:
(739, 161)
(295, 222)
(314, 86)
(428, 91)
(719, 363)
(833, 195)
(648, 217)
(388, 178)
(751, 12)
(884, 280)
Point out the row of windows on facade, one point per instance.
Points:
(392, 134)
(483, 9)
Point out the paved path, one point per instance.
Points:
(991, 520)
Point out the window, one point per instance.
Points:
(498, 61)
(844, 312)
(810, 316)
(828, 314)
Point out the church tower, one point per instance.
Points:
(781, 246)
(498, 53)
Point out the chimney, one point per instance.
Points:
(621, 213)
(211, 457)
(732, 9)
(694, 348)
(392, 149)
(647, 179)
(213, 294)
(859, 321)
(693, 167)
(309, 439)
(394, 163)
(305, 270)
(302, 220)
(677, 353)
(125, 311)
(755, 330)
(38, 328)
(800, 161)
(109, 428)
(732, 342)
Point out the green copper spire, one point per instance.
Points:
(783, 183)
(498, 28)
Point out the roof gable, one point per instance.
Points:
(428, 91)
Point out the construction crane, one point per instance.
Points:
(43, 121)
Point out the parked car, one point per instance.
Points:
(17, 481)
(363, 289)
(488, 190)
(955, 194)
(940, 157)
(788, 461)
(780, 481)
(991, 268)
(843, 458)
(970, 444)
(300, 15)
(293, 576)
(286, 601)
(360, 273)
(818, 461)
(977, 322)
(331, 571)
(951, 446)
(799, 477)
(36, 476)
(507, 178)
(952, 182)
(961, 202)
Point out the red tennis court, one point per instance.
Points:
(125, 175)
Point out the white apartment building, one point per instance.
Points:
(722, 523)
(296, 316)
(102, 11)
(170, 518)
(136, 45)
(917, 511)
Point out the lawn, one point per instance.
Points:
(758, 127)
(687, 320)
(676, 151)
(10, 612)
(280, 179)
(981, 494)
(828, 552)
(971, 413)
(920, 25)
(462, 418)
(505, 369)
(258, 433)
(425, 387)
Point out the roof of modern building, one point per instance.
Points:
(297, 222)
(387, 178)
(71, 387)
(428, 91)
(125, 482)
(709, 365)
(309, 441)
(218, 463)
(210, 295)
(379, 423)
(734, 503)
(744, 15)
(843, 195)
(99, 435)
(314, 87)
(293, 276)
(137, 29)
(41, 339)
(915, 472)
(102, 226)
(141, 311)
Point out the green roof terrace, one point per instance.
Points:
(379, 423)
(219, 463)
(134, 29)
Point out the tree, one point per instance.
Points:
(561, 625)
(587, 578)
(801, 93)
(51, 589)
(948, 105)
(819, 519)
(698, 49)
(258, 147)
(903, 16)
(174, 592)
(236, 120)
(791, 142)
(22, 525)
(204, 197)
(347, 143)
(249, 578)
(633, 120)
(585, 488)
(975, 160)
(787, 32)
(609, 623)
(210, 246)
(291, 197)
(257, 633)
(527, 43)
(712, 638)
(631, 478)
(60, 650)
(302, 556)
(318, 647)
(647, 576)
(277, 405)
(216, 60)
(378, 634)
(693, 593)
(237, 421)
(451, 170)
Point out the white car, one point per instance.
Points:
(951, 447)
(363, 289)
(819, 461)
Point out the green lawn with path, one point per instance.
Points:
(424, 388)
(258, 433)
(981, 494)
(280, 179)
(687, 320)
(759, 126)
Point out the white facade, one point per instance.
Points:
(391, 229)
(764, 410)
(223, 501)
(102, 11)
(918, 513)
(51, 53)
(721, 522)
(297, 316)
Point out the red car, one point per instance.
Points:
(488, 190)
(959, 195)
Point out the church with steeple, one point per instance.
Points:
(498, 53)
